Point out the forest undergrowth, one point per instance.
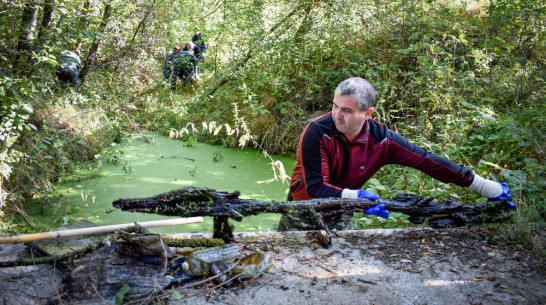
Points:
(463, 80)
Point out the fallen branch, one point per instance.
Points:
(193, 201)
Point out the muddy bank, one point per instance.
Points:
(395, 266)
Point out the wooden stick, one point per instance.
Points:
(95, 230)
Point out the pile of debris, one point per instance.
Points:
(119, 268)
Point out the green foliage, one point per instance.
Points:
(465, 82)
(396, 220)
(120, 295)
(43, 139)
(176, 294)
(190, 141)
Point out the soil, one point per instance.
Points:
(388, 266)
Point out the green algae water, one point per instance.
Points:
(161, 166)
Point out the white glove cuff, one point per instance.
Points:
(485, 187)
(350, 194)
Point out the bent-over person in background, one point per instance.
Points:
(69, 68)
(183, 68)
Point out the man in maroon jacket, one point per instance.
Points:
(339, 151)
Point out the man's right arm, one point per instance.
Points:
(316, 165)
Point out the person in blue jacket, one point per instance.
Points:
(197, 39)
(197, 52)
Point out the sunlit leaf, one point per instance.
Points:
(243, 140)
(229, 131)
(120, 295)
(176, 294)
(212, 125)
(266, 181)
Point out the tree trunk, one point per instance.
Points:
(129, 47)
(83, 23)
(46, 18)
(28, 24)
(95, 46)
(191, 201)
(60, 21)
(141, 23)
(306, 23)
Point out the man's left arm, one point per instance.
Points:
(401, 151)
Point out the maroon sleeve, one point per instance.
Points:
(316, 165)
(403, 152)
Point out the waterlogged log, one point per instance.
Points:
(194, 201)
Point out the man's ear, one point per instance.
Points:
(369, 111)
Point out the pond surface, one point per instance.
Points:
(161, 166)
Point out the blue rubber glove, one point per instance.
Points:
(505, 195)
(365, 194)
(378, 210)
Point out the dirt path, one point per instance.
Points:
(394, 266)
(407, 266)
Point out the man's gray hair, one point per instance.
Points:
(360, 89)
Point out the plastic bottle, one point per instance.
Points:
(199, 262)
(178, 271)
(215, 270)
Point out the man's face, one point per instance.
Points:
(176, 51)
(347, 117)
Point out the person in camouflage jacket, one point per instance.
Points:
(168, 64)
(69, 68)
(183, 68)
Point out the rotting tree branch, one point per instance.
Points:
(194, 201)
